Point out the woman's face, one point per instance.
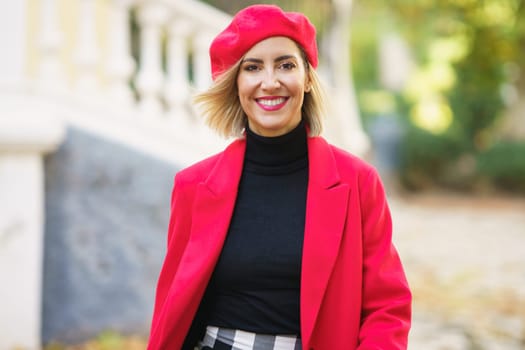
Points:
(271, 84)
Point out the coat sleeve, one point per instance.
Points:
(386, 303)
(178, 236)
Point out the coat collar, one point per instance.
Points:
(323, 172)
(225, 176)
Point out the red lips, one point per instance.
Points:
(273, 103)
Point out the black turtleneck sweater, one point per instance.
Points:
(255, 285)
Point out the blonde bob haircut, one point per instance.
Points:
(222, 110)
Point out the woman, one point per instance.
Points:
(281, 241)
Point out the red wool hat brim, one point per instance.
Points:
(254, 24)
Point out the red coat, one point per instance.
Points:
(354, 294)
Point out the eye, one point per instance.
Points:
(250, 67)
(287, 66)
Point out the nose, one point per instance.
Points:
(270, 81)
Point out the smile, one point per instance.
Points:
(272, 104)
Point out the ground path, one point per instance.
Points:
(465, 261)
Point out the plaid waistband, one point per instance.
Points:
(234, 339)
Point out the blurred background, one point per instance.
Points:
(95, 120)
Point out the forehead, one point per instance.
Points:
(274, 46)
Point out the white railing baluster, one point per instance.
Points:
(87, 52)
(177, 88)
(201, 59)
(151, 17)
(50, 72)
(120, 64)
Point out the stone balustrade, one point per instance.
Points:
(126, 69)
(173, 39)
(97, 84)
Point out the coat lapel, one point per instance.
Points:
(213, 209)
(326, 211)
(211, 213)
(214, 203)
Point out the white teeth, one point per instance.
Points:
(272, 102)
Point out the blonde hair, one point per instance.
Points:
(222, 110)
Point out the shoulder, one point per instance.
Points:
(347, 163)
(347, 159)
(359, 174)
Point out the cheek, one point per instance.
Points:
(243, 95)
(297, 83)
(244, 87)
(298, 87)
(240, 93)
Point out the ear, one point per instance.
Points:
(307, 85)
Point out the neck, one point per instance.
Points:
(278, 150)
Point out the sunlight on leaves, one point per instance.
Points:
(432, 114)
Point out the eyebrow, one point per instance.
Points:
(278, 59)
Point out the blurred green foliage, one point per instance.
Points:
(504, 163)
(452, 105)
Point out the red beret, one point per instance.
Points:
(256, 23)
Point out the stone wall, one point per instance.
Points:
(107, 209)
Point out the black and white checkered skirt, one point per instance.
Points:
(231, 339)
